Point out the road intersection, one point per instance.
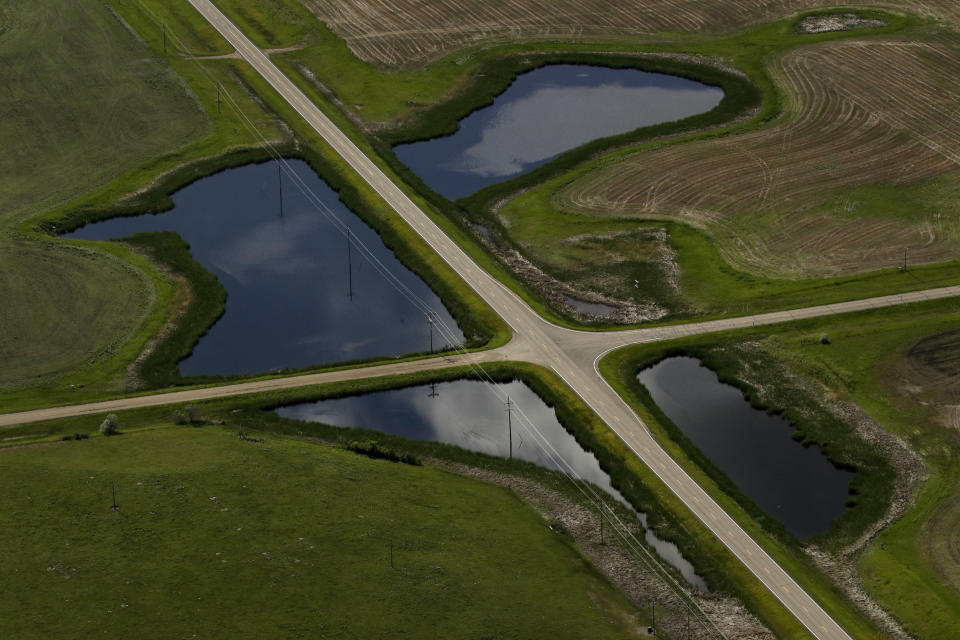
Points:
(572, 354)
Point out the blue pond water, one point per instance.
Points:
(471, 414)
(287, 276)
(797, 485)
(545, 112)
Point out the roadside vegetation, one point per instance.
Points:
(895, 369)
(205, 520)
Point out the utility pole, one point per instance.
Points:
(349, 267)
(601, 523)
(430, 322)
(433, 390)
(164, 38)
(904, 258)
(279, 167)
(218, 98)
(114, 507)
(653, 614)
(391, 553)
(510, 425)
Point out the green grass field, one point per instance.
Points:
(83, 102)
(215, 536)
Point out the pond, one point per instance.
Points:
(472, 414)
(795, 484)
(545, 112)
(298, 292)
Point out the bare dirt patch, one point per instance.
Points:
(837, 22)
(933, 364)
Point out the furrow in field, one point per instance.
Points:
(411, 31)
(858, 115)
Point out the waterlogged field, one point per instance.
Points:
(98, 118)
(858, 166)
(545, 112)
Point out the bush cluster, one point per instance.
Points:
(371, 449)
(110, 425)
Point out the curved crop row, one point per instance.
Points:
(412, 31)
(806, 196)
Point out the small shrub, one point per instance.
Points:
(110, 425)
(187, 415)
(193, 415)
(371, 449)
(824, 339)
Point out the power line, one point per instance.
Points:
(587, 490)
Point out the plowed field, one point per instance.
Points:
(862, 165)
(413, 31)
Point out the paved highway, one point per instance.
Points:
(571, 354)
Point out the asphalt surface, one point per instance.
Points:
(571, 354)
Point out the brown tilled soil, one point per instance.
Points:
(857, 114)
(934, 364)
(399, 32)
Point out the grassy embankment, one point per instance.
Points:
(898, 568)
(215, 535)
(408, 98)
(146, 189)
